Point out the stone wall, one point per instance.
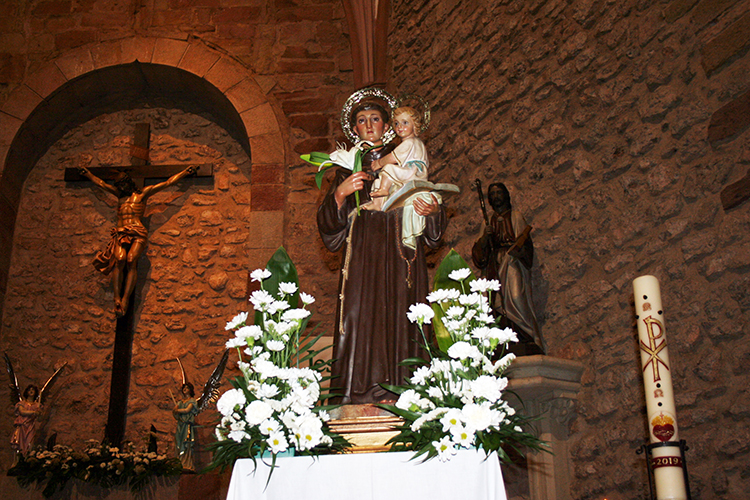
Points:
(596, 115)
(192, 279)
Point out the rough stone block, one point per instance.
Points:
(198, 59)
(168, 51)
(267, 197)
(268, 148)
(8, 127)
(75, 63)
(677, 9)
(260, 120)
(726, 45)
(225, 73)
(268, 174)
(106, 54)
(46, 80)
(21, 102)
(266, 230)
(730, 119)
(137, 49)
(708, 10)
(245, 95)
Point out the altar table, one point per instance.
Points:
(370, 476)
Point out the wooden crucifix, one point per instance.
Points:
(120, 258)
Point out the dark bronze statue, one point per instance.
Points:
(505, 253)
(130, 236)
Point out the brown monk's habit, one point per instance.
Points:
(373, 334)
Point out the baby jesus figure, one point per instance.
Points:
(406, 163)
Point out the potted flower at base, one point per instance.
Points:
(456, 400)
(271, 409)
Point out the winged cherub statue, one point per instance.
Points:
(28, 407)
(186, 409)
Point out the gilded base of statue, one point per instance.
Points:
(367, 427)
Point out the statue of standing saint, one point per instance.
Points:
(380, 276)
(505, 253)
(130, 236)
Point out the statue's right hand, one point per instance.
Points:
(354, 182)
(83, 171)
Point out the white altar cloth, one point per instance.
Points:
(370, 476)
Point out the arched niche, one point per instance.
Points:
(99, 78)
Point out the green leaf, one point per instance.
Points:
(452, 262)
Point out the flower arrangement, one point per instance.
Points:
(272, 406)
(456, 400)
(97, 464)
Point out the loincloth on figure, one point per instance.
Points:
(105, 260)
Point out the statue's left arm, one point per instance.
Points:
(149, 190)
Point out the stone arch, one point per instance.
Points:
(90, 78)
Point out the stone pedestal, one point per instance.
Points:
(548, 388)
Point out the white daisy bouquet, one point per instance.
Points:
(456, 400)
(273, 406)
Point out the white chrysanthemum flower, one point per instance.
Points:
(269, 426)
(464, 350)
(324, 415)
(236, 321)
(253, 331)
(488, 387)
(503, 335)
(420, 313)
(261, 300)
(460, 274)
(257, 411)
(473, 299)
(238, 436)
(420, 375)
(454, 312)
(229, 400)
(445, 448)
(278, 305)
(408, 400)
(485, 318)
(295, 314)
(260, 274)
(306, 299)
(236, 342)
(277, 442)
(435, 392)
(478, 416)
(481, 333)
(275, 345)
(287, 288)
(463, 435)
(482, 285)
(266, 391)
(308, 432)
(443, 294)
(452, 418)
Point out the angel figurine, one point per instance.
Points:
(186, 409)
(27, 408)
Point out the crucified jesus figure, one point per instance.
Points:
(130, 236)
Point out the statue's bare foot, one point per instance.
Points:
(380, 193)
(119, 310)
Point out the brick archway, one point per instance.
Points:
(29, 117)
